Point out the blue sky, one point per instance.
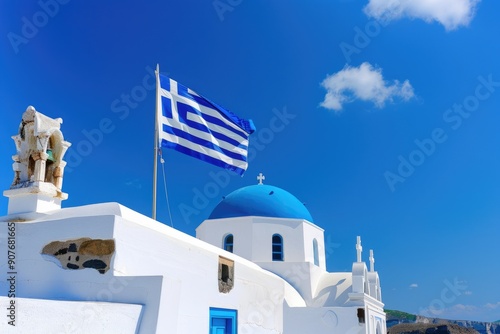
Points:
(382, 119)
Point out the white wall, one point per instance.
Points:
(323, 320)
(303, 276)
(253, 237)
(173, 275)
(190, 269)
(214, 231)
(311, 232)
(49, 316)
(375, 316)
(253, 240)
(42, 279)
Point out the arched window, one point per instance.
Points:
(315, 252)
(277, 247)
(228, 243)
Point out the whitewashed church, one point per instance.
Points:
(256, 265)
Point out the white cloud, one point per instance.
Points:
(413, 286)
(492, 306)
(364, 83)
(450, 13)
(487, 312)
(135, 183)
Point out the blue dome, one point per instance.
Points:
(261, 200)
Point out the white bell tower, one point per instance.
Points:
(38, 165)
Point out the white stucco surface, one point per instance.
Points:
(253, 235)
(75, 317)
(173, 275)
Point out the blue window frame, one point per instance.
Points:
(228, 243)
(315, 252)
(223, 321)
(277, 247)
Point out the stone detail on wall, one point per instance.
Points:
(81, 253)
(226, 274)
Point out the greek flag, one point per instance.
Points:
(193, 125)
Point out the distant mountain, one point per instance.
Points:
(398, 317)
(416, 328)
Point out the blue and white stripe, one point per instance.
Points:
(193, 125)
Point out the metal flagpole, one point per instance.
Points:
(155, 164)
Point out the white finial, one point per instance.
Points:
(261, 178)
(372, 261)
(359, 249)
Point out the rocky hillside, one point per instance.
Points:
(398, 317)
(419, 328)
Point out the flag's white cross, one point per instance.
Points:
(175, 98)
(195, 126)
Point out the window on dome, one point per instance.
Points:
(228, 243)
(315, 252)
(277, 247)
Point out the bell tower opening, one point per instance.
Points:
(31, 168)
(51, 160)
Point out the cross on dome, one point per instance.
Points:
(261, 178)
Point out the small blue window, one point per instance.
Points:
(315, 252)
(223, 321)
(277, 247)
(228, 243)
